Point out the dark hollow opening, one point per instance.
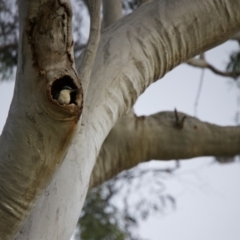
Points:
(60, 83)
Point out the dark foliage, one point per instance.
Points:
(234, 61)
(8, 37)
(102, 218)
(138, 200)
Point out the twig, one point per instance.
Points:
(179, 122)
(202, 63)
(198, 93)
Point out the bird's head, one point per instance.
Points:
(64, 95)
(69, 89)
(66, 88)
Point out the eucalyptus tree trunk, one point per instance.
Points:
(49, 150)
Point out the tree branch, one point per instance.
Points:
(138, 139)
(236, 37)
(85, 62)
(134, 53)
(112, 11)
(202, 63)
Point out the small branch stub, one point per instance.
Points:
(179, 122)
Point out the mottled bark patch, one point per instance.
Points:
(49, 33)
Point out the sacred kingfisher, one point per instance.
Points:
(64, 97)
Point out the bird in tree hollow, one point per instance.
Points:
(64, 96)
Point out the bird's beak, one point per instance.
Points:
(74, 90)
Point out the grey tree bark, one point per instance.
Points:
(112, 11)
(162, 136)
(134, 52)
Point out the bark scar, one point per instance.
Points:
(52, 25)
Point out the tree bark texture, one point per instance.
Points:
(112, 11)
(38, 129)
(134, 52)
(162, 136)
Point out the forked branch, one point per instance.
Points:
(202, 63)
